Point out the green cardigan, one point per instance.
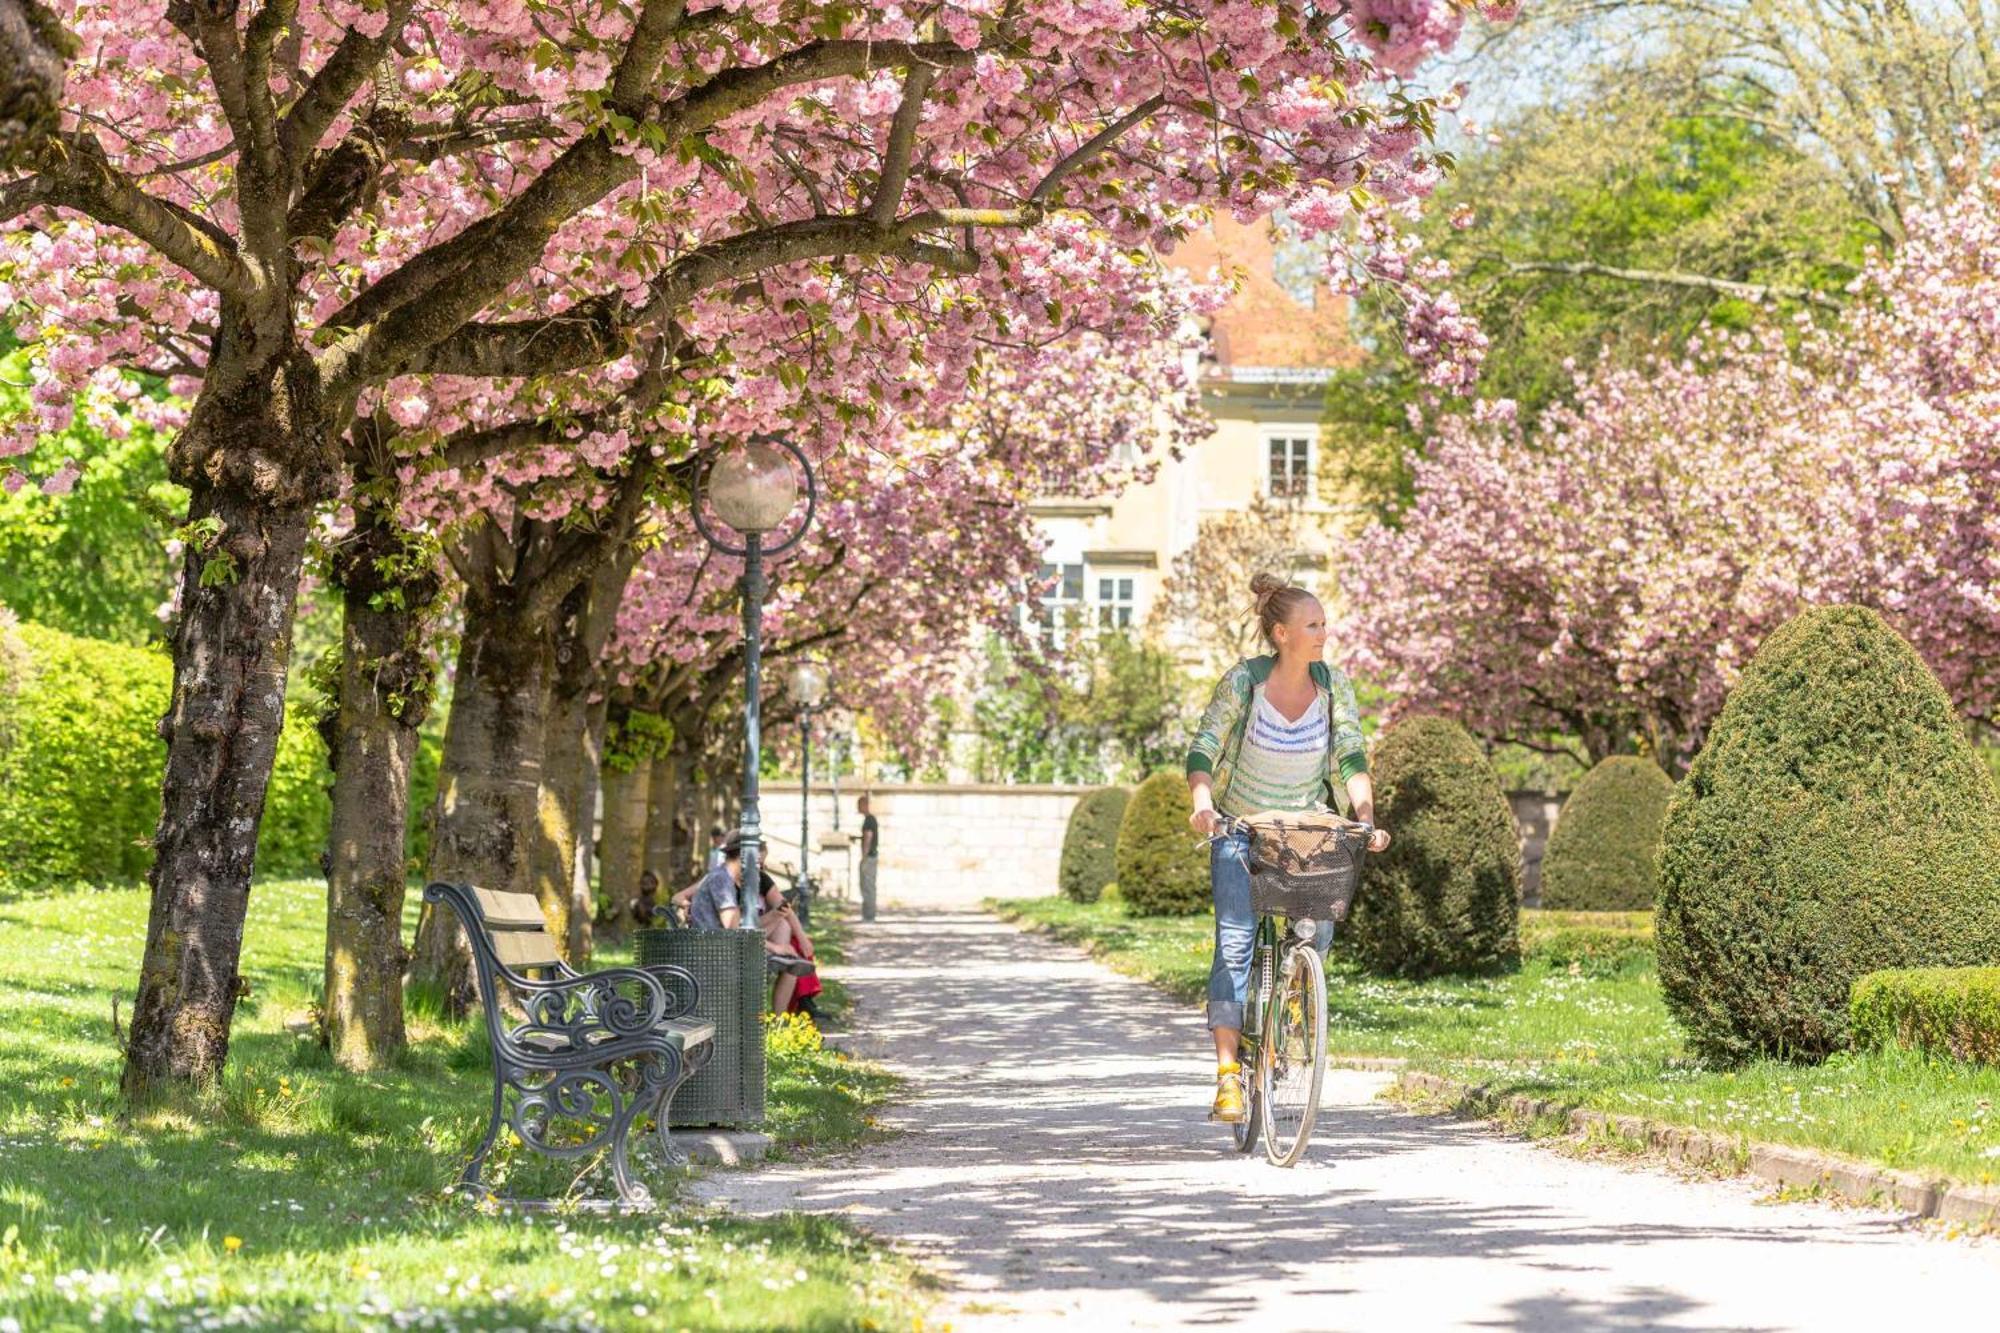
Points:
(1218, 739)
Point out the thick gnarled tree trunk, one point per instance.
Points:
(489, 787)
(384, 696)
(255, 465)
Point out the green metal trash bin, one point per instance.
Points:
(728, 966)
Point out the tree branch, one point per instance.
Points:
(334, 86)
(639, 68)
(600, 328)
(76, 174)
(1752, 291)
(897, 152)
(421, 303)
(585, 557)
(1094, 145)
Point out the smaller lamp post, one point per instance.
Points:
(807, 686)
(754, 488)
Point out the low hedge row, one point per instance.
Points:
(1952, 1011)
(81, 764)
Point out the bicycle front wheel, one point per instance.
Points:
(1291, 1063)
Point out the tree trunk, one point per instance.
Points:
(624, 837)
(253, 483)
(569, 769)
(583, 888)
(686, 836)
(385, 692)
(489, 788)
(661, 798)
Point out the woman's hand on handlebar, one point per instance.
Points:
(1378, 840)
(1205, 821)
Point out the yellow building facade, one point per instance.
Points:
(1263, 372)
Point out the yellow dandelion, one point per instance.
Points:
(232, 1243)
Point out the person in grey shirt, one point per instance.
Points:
(713, 902)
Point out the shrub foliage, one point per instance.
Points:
(1090, 845)
(1162, 867)
(1952, 1011)
(81, 763)
(1836, 823)
(1602, 855)
(1446, 896)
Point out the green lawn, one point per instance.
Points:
(298, 1196)
(1582, 1022)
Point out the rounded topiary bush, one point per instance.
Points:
(1602, 855)
(1836, 822)
(1162, 866)
(1090, 846)
(1446, 896)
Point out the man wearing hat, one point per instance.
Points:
(711, 902)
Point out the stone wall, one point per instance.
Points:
(1535, 816)
(942, 845)
(952, 845)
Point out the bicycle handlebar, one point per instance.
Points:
(1226, 825)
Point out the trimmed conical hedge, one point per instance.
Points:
(1162, 866)
(1602, 856)
(1837, 822)
(1446, 896)
(1090, 845)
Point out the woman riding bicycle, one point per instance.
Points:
(1281, 733)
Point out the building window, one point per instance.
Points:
(1055, 602)
(1288, 473)
(1114, 603)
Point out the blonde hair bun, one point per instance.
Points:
(1275, 601)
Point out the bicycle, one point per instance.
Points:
(1284, 1026)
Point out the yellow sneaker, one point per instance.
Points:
(1228, 1106)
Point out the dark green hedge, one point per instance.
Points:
(1953, 1011)
(1446, 896)
(1162, 866)
(1602, 855)
(1836, 823)
(81, 764)
(1090, 844)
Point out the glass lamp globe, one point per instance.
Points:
(807, 684)
(753, 487)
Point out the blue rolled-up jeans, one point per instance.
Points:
(1236, 931)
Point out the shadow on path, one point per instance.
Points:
(1056, 1157)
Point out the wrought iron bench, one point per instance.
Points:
(584, 1055)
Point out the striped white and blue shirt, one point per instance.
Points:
(1282, 765)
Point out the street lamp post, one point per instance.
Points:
(754, 488)
(807, 686)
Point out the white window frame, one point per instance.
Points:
(1306, 434)
(1053, 635)
(1125, 598)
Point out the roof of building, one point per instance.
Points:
(1266, 333)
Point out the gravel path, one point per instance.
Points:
(1056, 1163)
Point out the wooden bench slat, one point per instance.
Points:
(506, 911)
(525, 948)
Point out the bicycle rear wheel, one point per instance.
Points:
(1291, 1062)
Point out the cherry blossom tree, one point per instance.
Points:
(1608, 574)
(308, 212)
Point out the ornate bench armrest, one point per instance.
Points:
(596, 1006)
(683, 991)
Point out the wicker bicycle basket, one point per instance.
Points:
(1304, 866)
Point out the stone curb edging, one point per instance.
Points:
(1797, 1168)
